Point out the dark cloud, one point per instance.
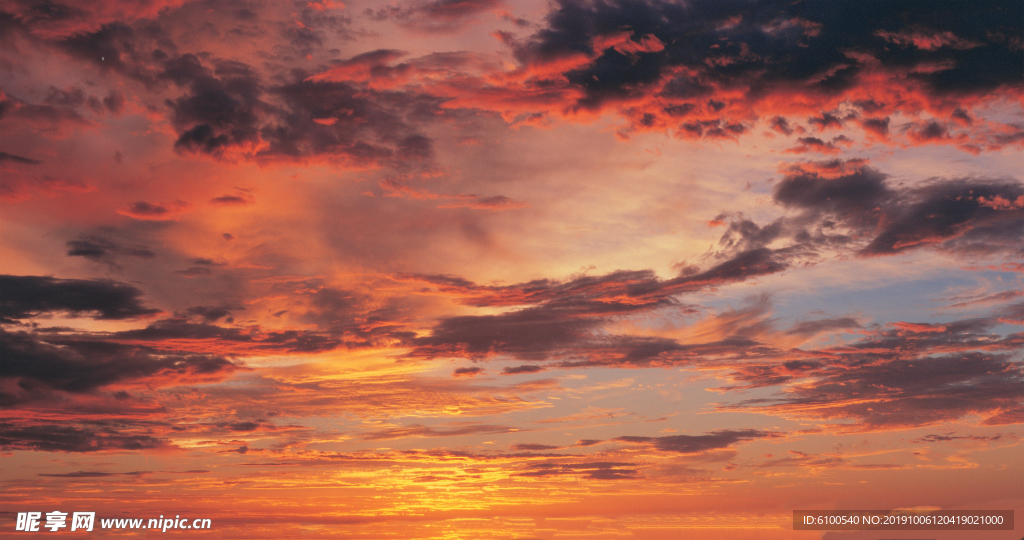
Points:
(800, 459)
(222, 107)
(5, 157)
(115, 47)
(928, 439)
(75, 365)
(615, 293)
(928, 132)
(351, 123)
(231, 200)
(68, 97)
(693, 444)
(571, 336)
(767, 49)
(826, 120)
(210, 313)
(595, 470)
(16, 185)
(844, 207)
(355, 318)
(114, 102)
(907, 393)
(250, 338)
(533, 447)
(94, 474)
(528, 333)
(844, 200)
(813, 144)
(28, 296)
(810, 328)
(907, 375)
(566, 319)
(493, 202)
(105, 251)
(859, 191)
(154, 211)
(42, 117)
(521, 369)
(229, 107)
(61, 438)
(962, 216)
(878, 126)
(1011, 313)
(467, 372)
(425, 431)
(781, 125)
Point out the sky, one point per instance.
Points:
(483, 269)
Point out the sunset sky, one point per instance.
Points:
(484, 269)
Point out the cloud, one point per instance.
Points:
(842, 208)
(960, 216)
(859, 190)
(60, 438)
(928, 41)
(694, 444)
(73, 365)
(781, 125)
(155, 211)
(210, 313)
(242, 197)
(810, 328)
(70, 17)
(30, 296)
(905, 376)
(593, 470)
(825, 121)
(467, 372)
(94, 474)
(201, 337)
(953, 216)
(754, 58)
(934, 438)
(369, 126)
(528, 333)
(222, 108)
(814, 144)
(5, 157)
(827, 461)
(425, 431)
(533, 447)
(521, 369)
(563, 320)
(320, 390)
(52, 119)
(877, 126)
(654, 62)
(18, 186)
(227, 108)
(103, 250)
(493, 202)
